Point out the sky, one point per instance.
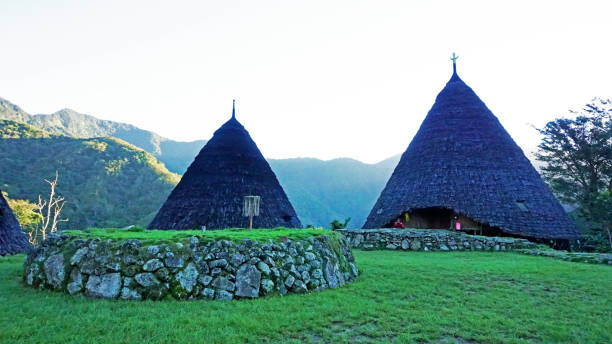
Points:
(323, 79)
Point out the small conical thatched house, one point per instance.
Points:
(12, 238)
(463, 166)
(211, 192)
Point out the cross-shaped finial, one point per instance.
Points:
(233, 108)
(454, 59)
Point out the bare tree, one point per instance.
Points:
(50, 212)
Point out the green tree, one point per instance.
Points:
(335, 224)
(577, 157)
(27, 215)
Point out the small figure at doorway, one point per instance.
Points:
(457, 223)
(398, 224)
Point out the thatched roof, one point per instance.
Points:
(463, 159)
(211, 192)
(12, 238)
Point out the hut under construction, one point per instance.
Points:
(463, 171)
(12, 239)
(212, 191)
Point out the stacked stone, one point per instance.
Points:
(220, 270)
(581, 257)
(429, 240)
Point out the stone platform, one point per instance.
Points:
(193, 269)
(429, 240)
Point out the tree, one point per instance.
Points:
(27, 215)
(577, 157)
(49, 211)
(339, 225)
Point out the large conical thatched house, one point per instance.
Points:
(211, 192)
(463, 166)
(12, 238)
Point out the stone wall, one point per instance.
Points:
(220, 270)
(429, 240)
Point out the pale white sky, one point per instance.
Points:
(321, 79)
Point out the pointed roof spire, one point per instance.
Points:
(454, 59)
(234, 108)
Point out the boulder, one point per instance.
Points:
(248, 279)
(105, 286)
(188, 277)
(54, 270)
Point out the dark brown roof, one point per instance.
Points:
(212, 190)
(463, 159)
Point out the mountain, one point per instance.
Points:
(175, 155)
(106, 182)
(322, 191)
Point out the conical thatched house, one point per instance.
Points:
(12, 238)
(463, 166)
(211, 192)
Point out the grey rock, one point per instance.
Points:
(330, 274)
(237, 259)
(78, 256)
(267, 286)
(248, 279)
(153, 250)
(317, 273)
(215, 271)
(130, 294)
(391, 247)
(208, 293)
(153, 265)
(219, 263)
(32, 272)
(444, 247)
(289, 281)
(54, 270)
(179, 245)
(224, 295)
(105, 286)
(74, 287)
(223, 284)
(205, 280)
(146, 279)
(187, 278)
(305, 276)
(264, 268)
(415, 245)
(310, 256)
(354, 270)
(299, 287)
(174, 262)
(405, 245)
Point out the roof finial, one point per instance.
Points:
(234, 108)
(454, 59)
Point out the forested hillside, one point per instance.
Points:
(105, 181)
(174, 154)
(320, 191)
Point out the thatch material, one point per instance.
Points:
(12, 239)
(463, 159)
(211, 192)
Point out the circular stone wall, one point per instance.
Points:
(221, 270)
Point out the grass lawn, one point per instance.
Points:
(465, 297)
(236, 234)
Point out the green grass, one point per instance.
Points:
(235, 235)
(465, 297)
